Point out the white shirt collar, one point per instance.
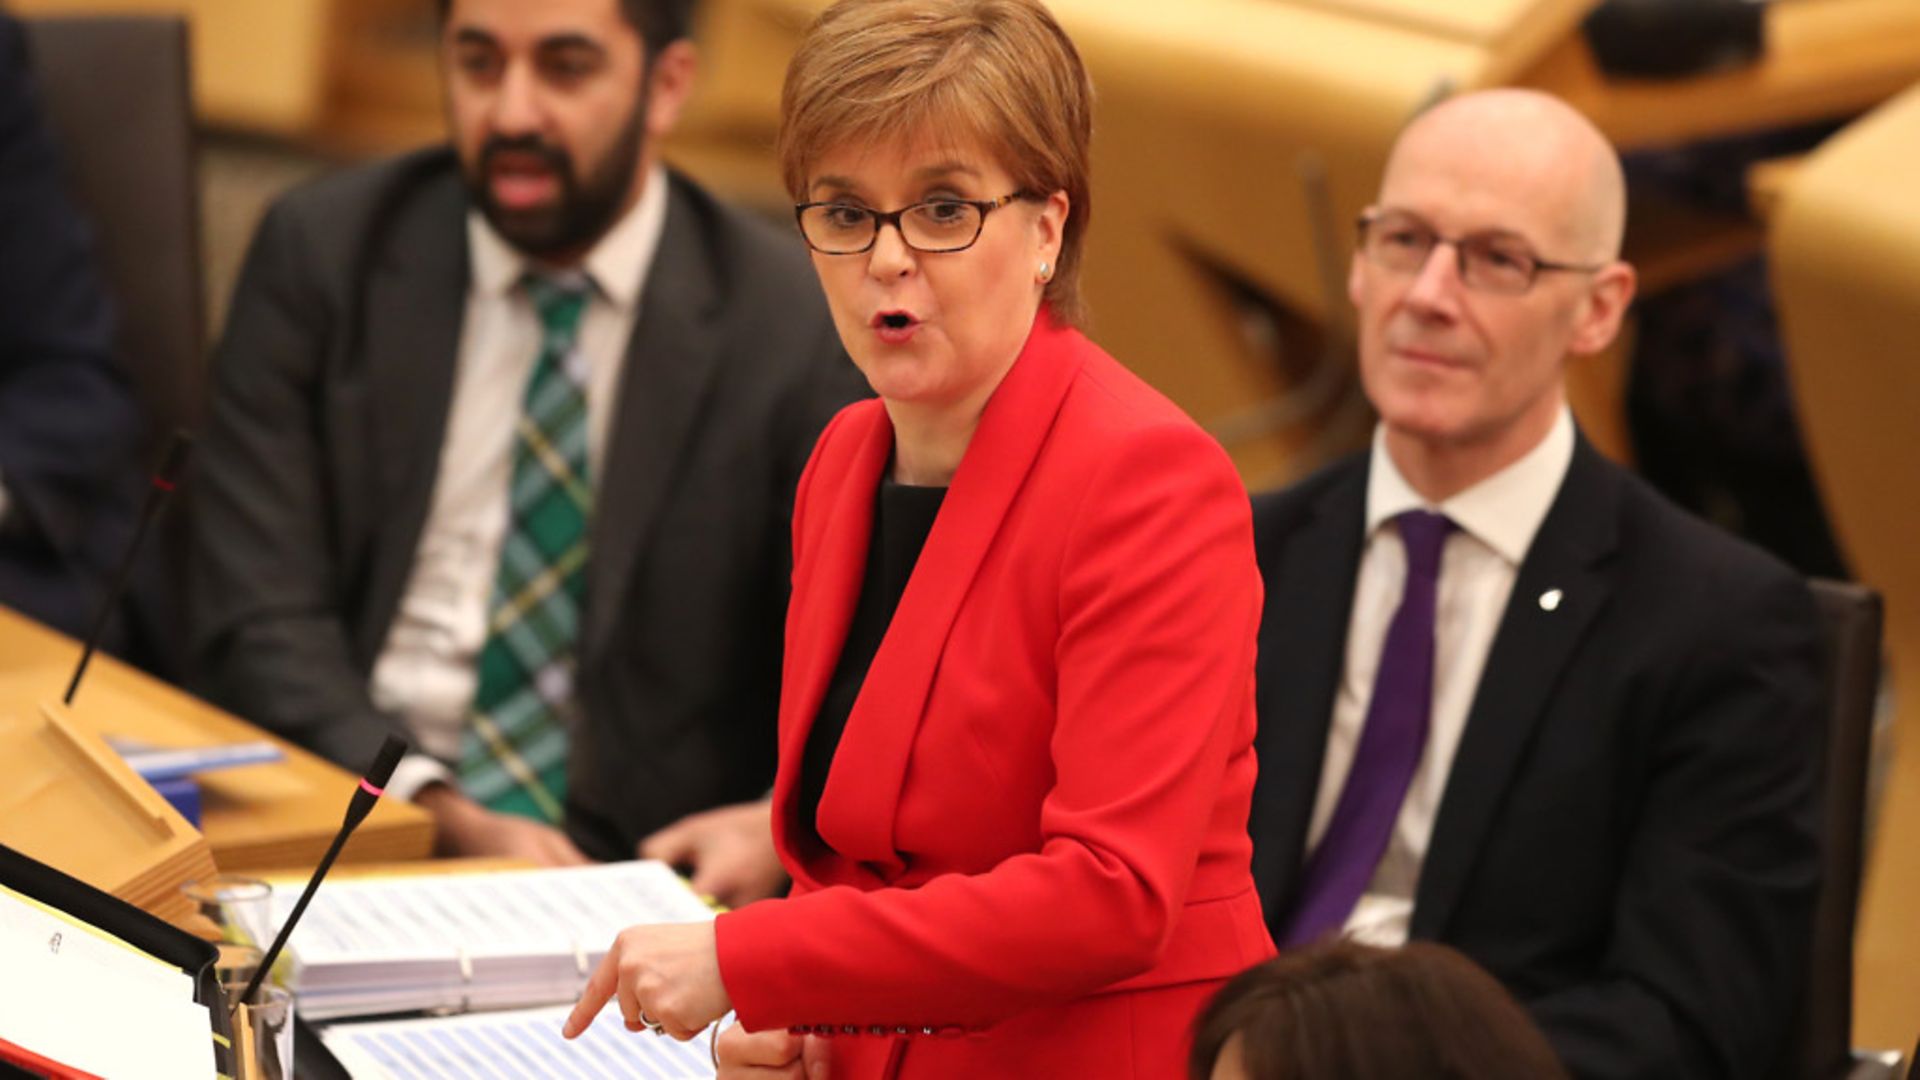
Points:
(617, 265)
(1504, 511)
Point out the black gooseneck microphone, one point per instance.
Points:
(164, 480)
(372, 786)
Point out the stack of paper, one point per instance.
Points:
(467, 941)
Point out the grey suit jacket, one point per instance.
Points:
(331, 391)
(1628, 838)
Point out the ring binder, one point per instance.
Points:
(454, 943)
(466, 980)
(98, 910)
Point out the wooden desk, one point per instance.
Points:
(276, 815)
(1845, 248)
(295, 877)
(1824, 58)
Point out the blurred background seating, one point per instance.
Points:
(1237, 141)
(129, 150)
(1846, 255)
(128, 146)
(1851, 618)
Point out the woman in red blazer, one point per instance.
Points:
(1016, 724)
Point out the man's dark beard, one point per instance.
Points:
(585, 210)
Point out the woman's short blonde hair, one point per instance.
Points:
(1000, 73)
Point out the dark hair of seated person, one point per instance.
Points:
(1346, 1011)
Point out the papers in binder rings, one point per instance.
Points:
(512, 1045)
(461, 942)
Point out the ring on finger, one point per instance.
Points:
(650, 1023)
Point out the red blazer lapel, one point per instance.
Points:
(863, 789)
(833, 524)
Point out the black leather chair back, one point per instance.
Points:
(117, 95)
(1850, 617)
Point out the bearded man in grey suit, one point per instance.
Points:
(503, 445)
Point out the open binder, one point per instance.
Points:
(34, 896)
(465, 942)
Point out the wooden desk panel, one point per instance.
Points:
(1833, 58)
(275, 815)
(1845, 248)
(258, 65)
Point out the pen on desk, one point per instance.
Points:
(155, 765)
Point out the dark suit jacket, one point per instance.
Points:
(1628, 837)
(67, 421)
(331, 394)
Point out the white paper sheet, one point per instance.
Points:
(70, 1010)
(26, 922)
(521, 911)
(511, 1046)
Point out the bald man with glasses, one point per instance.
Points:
(1510, 699)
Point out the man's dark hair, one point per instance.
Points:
(660, 22)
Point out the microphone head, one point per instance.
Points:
(390, 753)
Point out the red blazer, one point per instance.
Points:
(1037, 817)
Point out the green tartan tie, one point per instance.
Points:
(514, 758)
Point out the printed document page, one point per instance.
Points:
(515, 912)
(514, 1045)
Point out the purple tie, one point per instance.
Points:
(1339, 869)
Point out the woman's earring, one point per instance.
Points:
(1046, 272)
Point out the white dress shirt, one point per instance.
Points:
(427, 669)
(1496, 521)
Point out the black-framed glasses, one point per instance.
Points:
(933, 226)
(1490, 262)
